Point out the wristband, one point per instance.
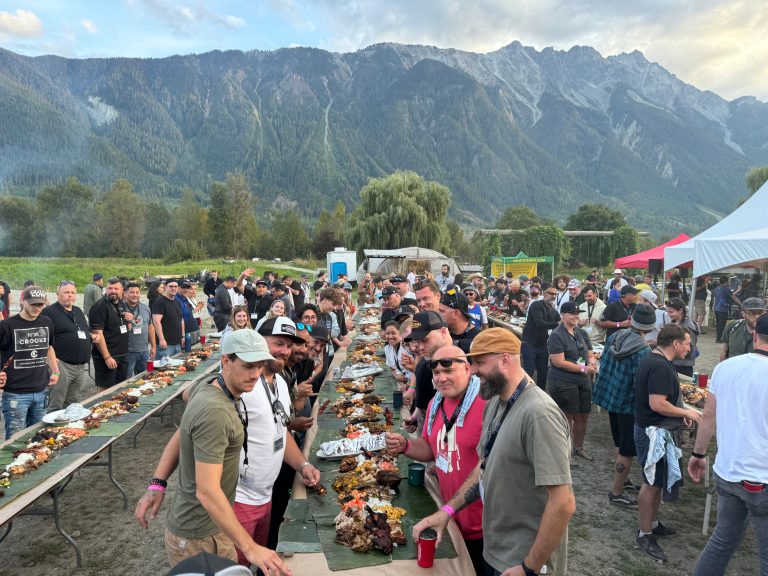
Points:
(55, 373)
(158, 482)
(582, 367)
(411, 387)
(155, 488)
(304, 465)
(528, 571)
(618, 324)
(696, 455)
(407, 445)
(451, 511)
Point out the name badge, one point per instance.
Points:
(278, 444)
(254, 316)
(137, 330)
(588, 329)
(442, 463)
(247, 479)
(123, 329)
(196, 314)
(81, 334)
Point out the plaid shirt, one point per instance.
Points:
(615, 384)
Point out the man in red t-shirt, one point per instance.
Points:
(452, 428)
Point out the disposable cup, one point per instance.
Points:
(416, 472)
(150, 365)
(425, 548)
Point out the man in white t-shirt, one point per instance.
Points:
(736, 402)
(616, 274)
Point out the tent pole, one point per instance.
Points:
(663, 282)
(692, 299)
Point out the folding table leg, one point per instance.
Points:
(108, 464)
(7, 530)
(707, 504)
(57, 522)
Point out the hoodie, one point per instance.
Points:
(615, 385)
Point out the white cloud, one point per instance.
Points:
(20, 24)
(187, 19)
(233, 21)
(89, 26)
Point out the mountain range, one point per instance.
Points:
(549, 129)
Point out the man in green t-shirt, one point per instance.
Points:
(211, 436)
(525, 438)
(737, 336)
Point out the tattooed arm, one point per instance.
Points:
(468, 493)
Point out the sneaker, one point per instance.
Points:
(622, 499)
(662, 530)
(631, 486)
(647, 543)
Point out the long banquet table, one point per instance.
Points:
(308, 528)
(54, 476)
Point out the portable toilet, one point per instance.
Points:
(341, 261)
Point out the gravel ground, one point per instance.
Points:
(601, 534)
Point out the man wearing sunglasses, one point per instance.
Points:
(454, 307)
(523, 477)
(738, 334)
(29, 362)
(451, 434)
(542, 317)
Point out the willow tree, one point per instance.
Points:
(401, 210)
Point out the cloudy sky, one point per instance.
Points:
(718, 45)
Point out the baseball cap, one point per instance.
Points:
(411, 301)
(574, 283)
(523, 277)
(280, 326)
(347, 286)
(649, 295)
(388, 291)
(185, 285)
(320, 332)
(628, 290)
(423, 323)
(404, 310)
(398, 278)
(618, 271)
(677, 303)
(495, 341)
(247, 345)
(470, 288)
(762, 325)
(569, 307)
(261, 282)
(455, 299)
(97, 276)
(304, 276)
(34, 295)
(644, 318)
(753, 304)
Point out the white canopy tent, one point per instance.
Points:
(748, 216)
(744, 248)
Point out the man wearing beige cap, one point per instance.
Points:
(525, 437)
(29, 362)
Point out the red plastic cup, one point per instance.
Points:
(703, 378)
(425, 548)
(150, 365)
(202, 339)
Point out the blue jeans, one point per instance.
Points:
(23, 410)
(171, 350)
(536, 359)
(137, 362)
(735, 506)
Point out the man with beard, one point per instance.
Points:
(738, 335)
(591, 312)
(542, 317)
(525, 438)
(72, 344)
(516, 299)
(258, 297)
(29, 362)
(268, 444)
(142, 344)
(444, 279)
(110, 324)
(454, 307)
(452, 441)
(427, 295)
(616, 315)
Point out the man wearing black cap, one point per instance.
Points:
(168, 319)
(93, 292)
(429, 332)
(736, 407)
(29, 362)
(454, 307)
(222, 302)
(542, 317)
(616, 315)
(258, 298)
(738, 334)
(392, 300)
(403, 287)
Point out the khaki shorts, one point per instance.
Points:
(700, 307)
(178, 548)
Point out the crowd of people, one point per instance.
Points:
(488, 409)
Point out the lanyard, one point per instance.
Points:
(71, 315)
(590, 310)
(495, 432)
(449, 423)
(276, 405)
(242, 416)
(761, 352)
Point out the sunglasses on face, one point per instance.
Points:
(302, 326)
(66, 283)
(445, 362)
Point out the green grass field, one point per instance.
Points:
(48, 272)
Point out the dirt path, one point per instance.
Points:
(601, 534)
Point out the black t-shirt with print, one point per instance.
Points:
(25, 343)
